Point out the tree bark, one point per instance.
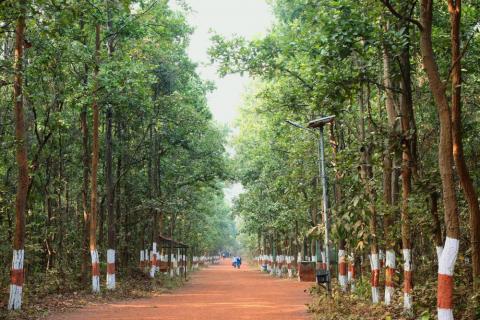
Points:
(408, 145)
(389, 175)
(17, 272)
(86, 173)
(366, 174)
(108, 168)
(94, 183)
(445, 162)
(454, 8)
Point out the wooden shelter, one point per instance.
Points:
(169, 246)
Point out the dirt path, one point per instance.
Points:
(218, 292)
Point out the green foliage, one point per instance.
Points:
(168, 153)
(326, 58)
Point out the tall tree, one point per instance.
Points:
(17, 272)
(86, 169)
(408, 146)
(94, 182)
(455, 10)
(445, 163)
(109, 163)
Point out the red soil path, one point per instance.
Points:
(218, 292)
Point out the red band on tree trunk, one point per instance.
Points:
(375, 277)
(342, 269)
(17, 277)
(351, 268)
(95, 269)
(389, 272)
(407, 281)
(445, 291)
(111, 268)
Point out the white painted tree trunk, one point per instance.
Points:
(390, 270)
(16, 286)
(445, 279)
(111, 269)
(381, 257)
(375, 265)
(178, 262)
(95, 271)
(172, 269)
(153, 258)
(289, 266)
(439, 250)
(407, 267)
(342, 270)
(142, 259)
(351, 274)
(147, 261)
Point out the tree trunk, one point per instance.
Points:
(408, 144)
(50, 252)
(94, 184)
(86, 173)
(445, 162)
(389, 177)
(366, 174)
(108, 169)
(17, 272)
(110, 203)
(455, 7)
(61, 209)
(118, 199)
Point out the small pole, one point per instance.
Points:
(325, 206)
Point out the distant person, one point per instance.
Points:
(234, 261)
(239, 262)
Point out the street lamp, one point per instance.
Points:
(314, 124)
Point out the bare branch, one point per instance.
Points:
(387, 4)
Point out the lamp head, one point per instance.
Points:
(320, 122)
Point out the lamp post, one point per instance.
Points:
(312, 125)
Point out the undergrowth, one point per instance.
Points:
(358, 306)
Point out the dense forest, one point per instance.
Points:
(401, 79)
(107, 143)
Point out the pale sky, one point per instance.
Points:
(246, 18)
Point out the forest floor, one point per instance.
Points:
(217, 292)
